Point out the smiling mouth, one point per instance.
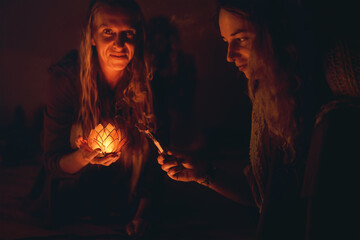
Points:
(242, 67)
(118, 56)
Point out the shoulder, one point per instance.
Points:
(67, 66)
(337, 130)
(64, 82)
(339, 112)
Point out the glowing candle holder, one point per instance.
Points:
(108, 139)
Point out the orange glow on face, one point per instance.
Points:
(108, 139)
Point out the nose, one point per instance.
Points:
(119, 41)
(230, 52)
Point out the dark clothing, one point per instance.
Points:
(61, 110)
(96, 191)
(282, 213)
(276, 180)
(331, 179)
(283, 210)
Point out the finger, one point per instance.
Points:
(112, 161)
(130, 229)
(90, 156)
(177, 177)
(164, 158)
(168, 165)
(175, 170)
(161, 159)
(184, 176)
(106, 161)
(187, 163)
(79, 140)
(115, 159)
(169, 158)
(85, 147)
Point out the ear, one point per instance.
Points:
(93, 41)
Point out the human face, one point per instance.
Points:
(113, 35)
(238, 33)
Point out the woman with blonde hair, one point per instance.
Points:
(107, 83)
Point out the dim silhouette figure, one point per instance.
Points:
(173, 83)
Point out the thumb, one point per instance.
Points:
(93, 154)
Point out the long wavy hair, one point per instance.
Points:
(131, 106)
(274, 81)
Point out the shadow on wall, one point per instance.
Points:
(20, 143)
(173, 84)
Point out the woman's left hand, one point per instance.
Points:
(105, 161)
(181, 168)
(138, 227)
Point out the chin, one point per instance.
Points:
(119, 66)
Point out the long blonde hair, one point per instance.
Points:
(137, 95)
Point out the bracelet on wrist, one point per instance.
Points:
(208, 176)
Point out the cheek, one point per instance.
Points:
(131, 48)
(103, 43)
(245, 52)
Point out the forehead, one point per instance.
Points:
(231, 23)
(116, 17)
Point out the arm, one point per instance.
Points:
(139, 225)
(60, 114)
(74, 162)
(58, 119)
(149, 190)
(235, 188)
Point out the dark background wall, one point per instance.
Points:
(36, 33)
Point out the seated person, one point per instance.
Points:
(106, 82)
(331, 179)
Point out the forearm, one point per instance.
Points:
(234, 188)
(72, 162)
(143, 208)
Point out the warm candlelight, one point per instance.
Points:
(108, 139)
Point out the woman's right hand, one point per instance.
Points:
(77, 160)
(91, 156)
(180, 168)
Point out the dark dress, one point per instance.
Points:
(95, 191)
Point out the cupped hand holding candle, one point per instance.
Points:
(107, 141)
